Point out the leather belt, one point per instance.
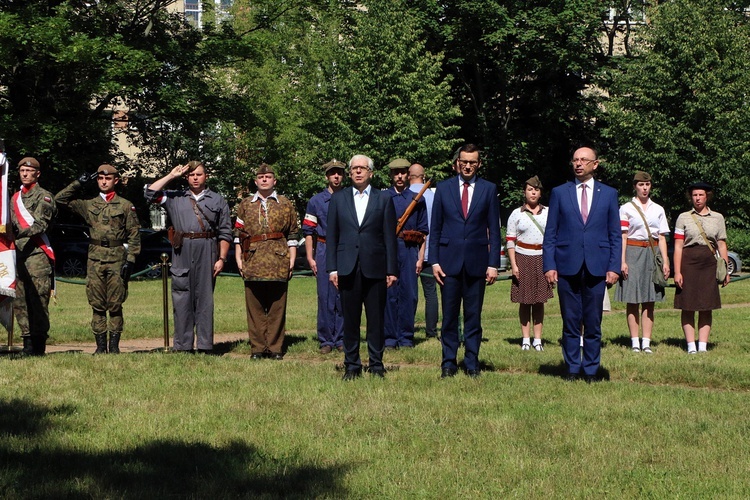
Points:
(198, 236)
(321, 239)
(641, 243)
(107, 243)
(266, 236)
(528, 246)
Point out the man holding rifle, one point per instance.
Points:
(411, 232)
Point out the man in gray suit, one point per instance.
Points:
(362, 262)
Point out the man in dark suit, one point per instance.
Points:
(465, 251)
(362, 262)
(582, 253)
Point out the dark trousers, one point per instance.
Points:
(581, 297)
(402, 299)
(429, 290)
(330, 319)
(355, 291)
(470, 291)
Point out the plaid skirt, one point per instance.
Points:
(531, 287)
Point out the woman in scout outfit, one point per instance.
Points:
(529, 288)
(698, 235)
(642, 243)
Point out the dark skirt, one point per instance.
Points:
(532, 286)
(700, 291)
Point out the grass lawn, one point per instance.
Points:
(166, 425)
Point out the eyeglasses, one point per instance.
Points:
(464, 163)
(582, 160)
(357, 168)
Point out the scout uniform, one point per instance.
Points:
(263, 228)
(32, 212)
(201, 220)
(402, 297)
(330, 318)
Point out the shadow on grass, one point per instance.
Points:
(156, 469)
(561, 370)
(290, 340)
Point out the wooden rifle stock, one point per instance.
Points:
(402, 220)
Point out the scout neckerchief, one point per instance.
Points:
(26, 220)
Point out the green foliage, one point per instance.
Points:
(738, 241)
(679, 108)
(520, 69)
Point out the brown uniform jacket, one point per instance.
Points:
(265, 260)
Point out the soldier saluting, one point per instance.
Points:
(115, 243)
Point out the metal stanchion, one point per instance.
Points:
(165, 298)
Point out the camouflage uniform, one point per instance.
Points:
(265, 267)
(33, 268)
(114, 240)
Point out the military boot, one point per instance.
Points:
(114, 343)
(38, 345)
(28, 349)
(101, 343)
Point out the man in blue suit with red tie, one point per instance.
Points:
(582, 254)
(465, 251)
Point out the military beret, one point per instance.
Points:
(265, 169)
(534, 182)
(29, 162)
(700, 185)
(399, 163)
(192, 165)
(334, 164)
(107, 169)
(641, 177)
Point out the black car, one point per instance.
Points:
(70, 242)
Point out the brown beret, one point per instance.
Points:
(399, 163)
(641, 177)
(334, 164)
(29, 162)
(534, 182)
(192, 165)
(107, 169)
(265, 169)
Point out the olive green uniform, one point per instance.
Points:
(33, 266)
(114, 240)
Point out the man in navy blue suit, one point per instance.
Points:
(362, 262)
(582, 253)
(465, 251)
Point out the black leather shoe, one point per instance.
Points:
(277, 357)
(473, 373)
(592, 378)
(572, 377)
(351, 374)
(256, 355)
(378, 373)
(448, 372)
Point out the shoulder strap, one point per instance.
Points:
(645, 222)
(531, 216)
(703, 233)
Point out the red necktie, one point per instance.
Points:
(465, 199)
(584, 203)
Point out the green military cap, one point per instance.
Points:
(29, 162)
(641, 177)
(107, 169)
(334, 164)
(399, 163)
(534, 182)
(265, 169)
